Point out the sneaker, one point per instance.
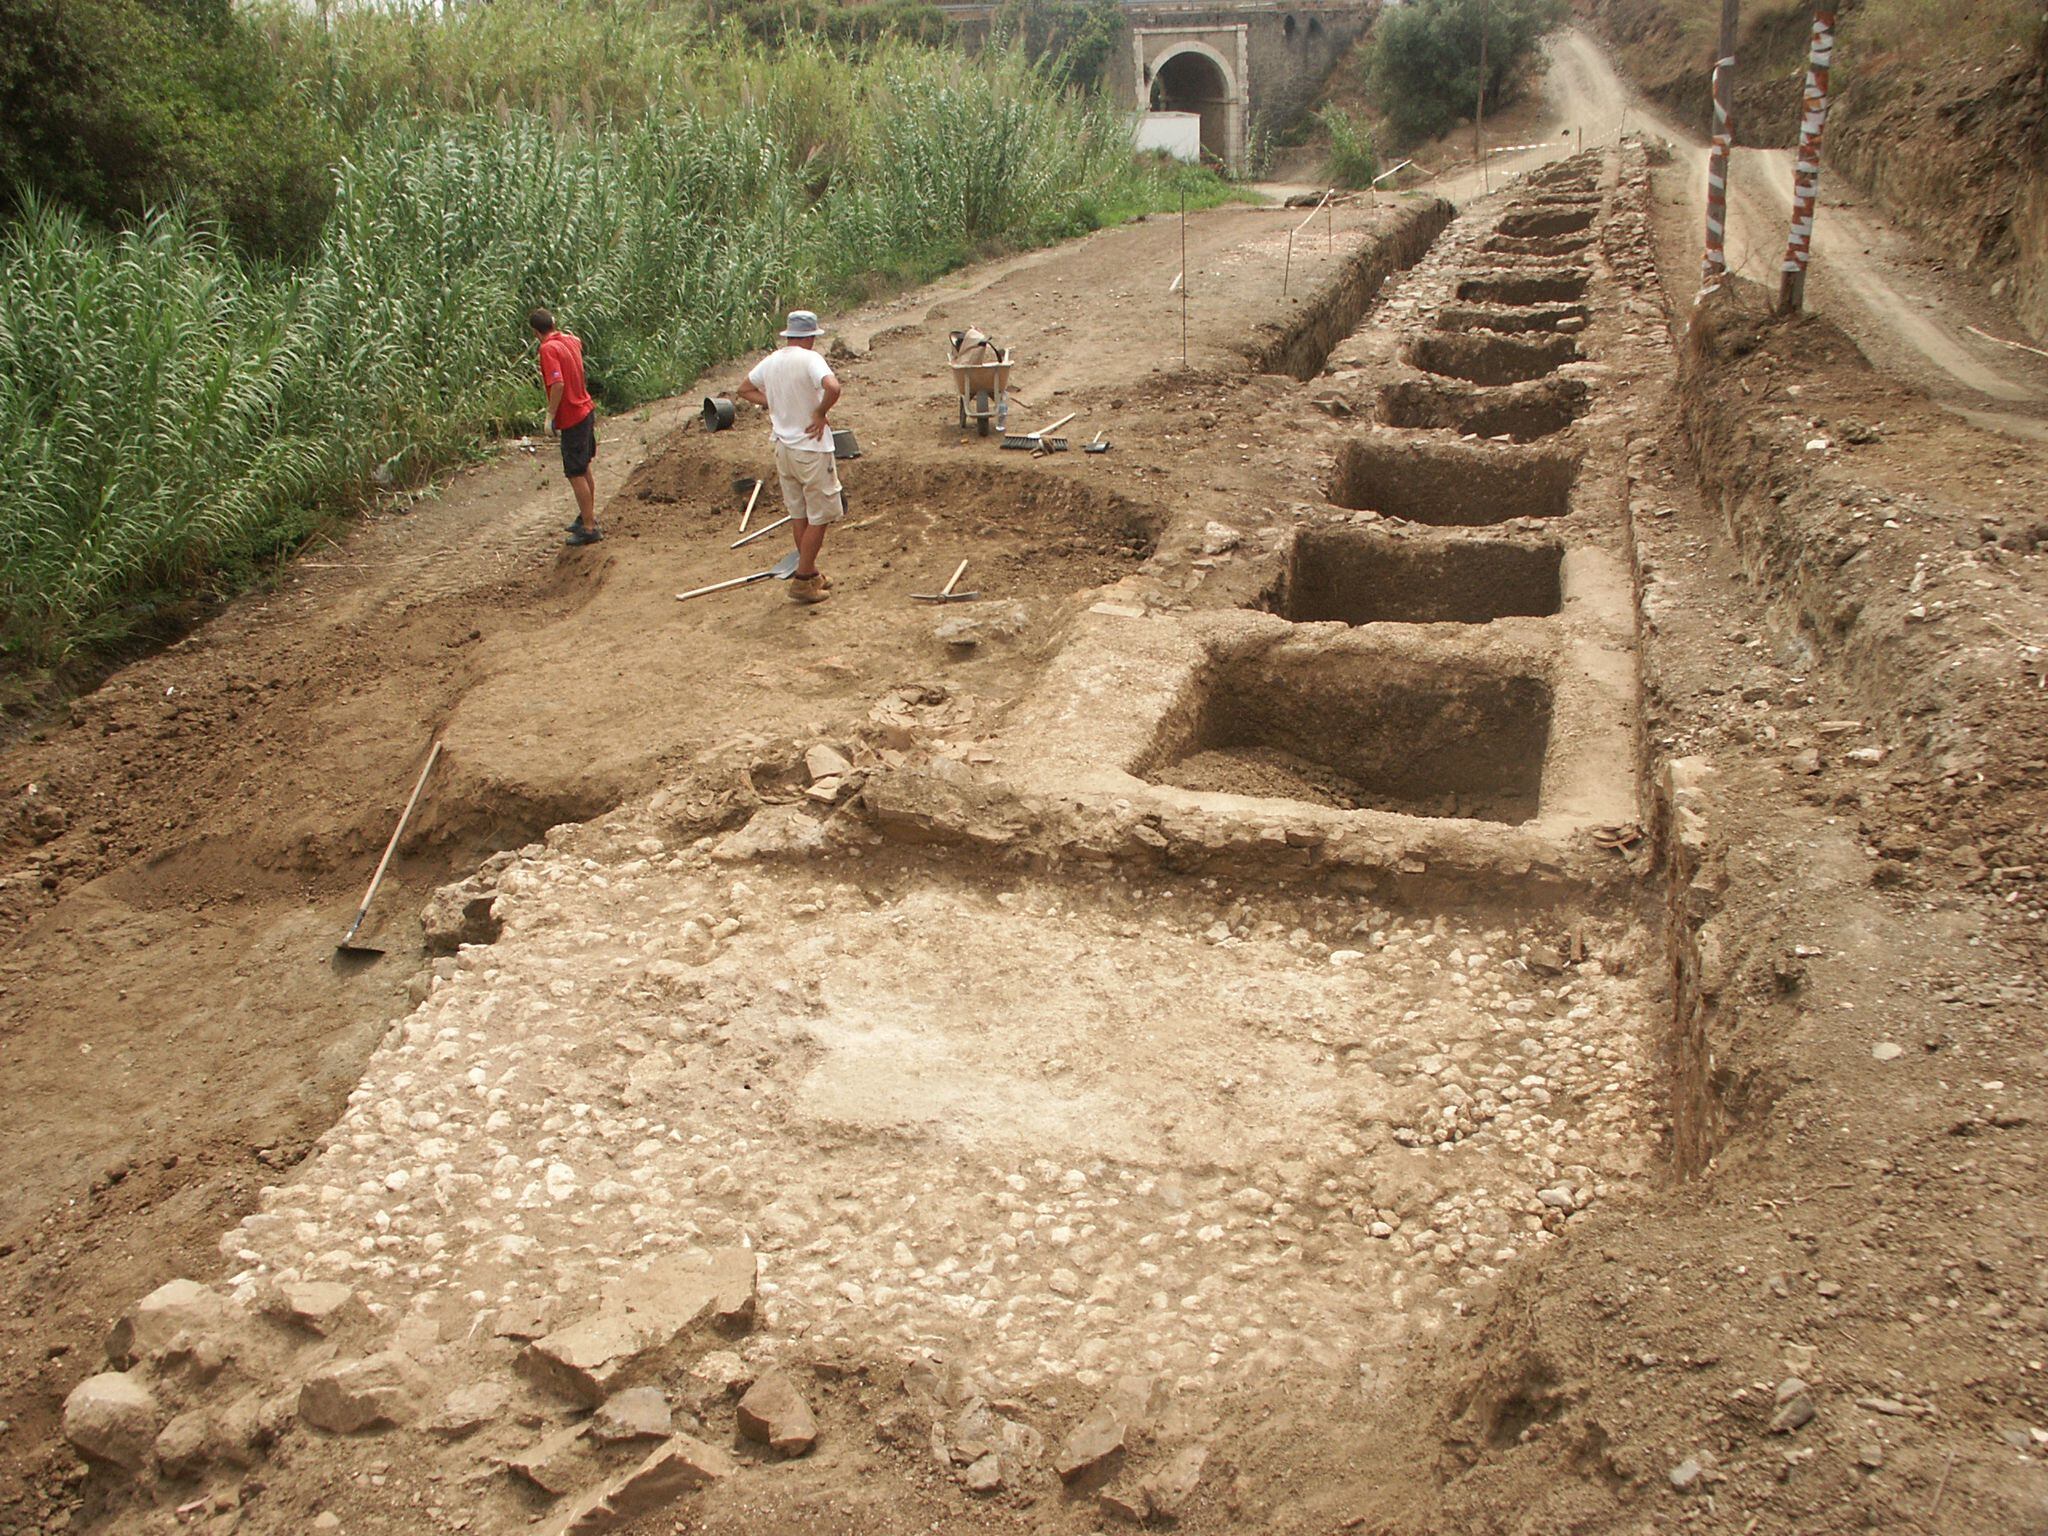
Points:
(580, 535)
(807, 589)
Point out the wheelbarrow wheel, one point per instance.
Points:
(984, 408)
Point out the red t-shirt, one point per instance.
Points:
(561, 362)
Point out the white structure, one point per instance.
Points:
(1178, 134)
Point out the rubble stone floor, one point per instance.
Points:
(1062, 1129)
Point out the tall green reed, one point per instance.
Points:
(173, 416)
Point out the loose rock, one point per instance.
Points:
(349, 1396)
(644, 1320)
(638, 1413)
(468, 1409)
(111, 1418)
(774, 1413)
(1094, 1441)
(675, 1468)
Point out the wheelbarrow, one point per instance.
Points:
(981, 372)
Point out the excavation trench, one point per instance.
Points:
(1334, 310)
(1491, 360)
(1453, 484)
(1556, 287)
(1511, 321)
(1516, 245)
(1356, 576)
(1547, 222)
(1521, 412)
(1361, 731)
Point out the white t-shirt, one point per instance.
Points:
(792, 378)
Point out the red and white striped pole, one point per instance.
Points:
(1714, 265)
(1806, 169)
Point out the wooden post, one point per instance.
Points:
(1183, 277)
(1479, 110)
(1714, 264)
(1806, 168)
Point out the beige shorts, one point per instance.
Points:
(810, 484)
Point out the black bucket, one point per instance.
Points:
(718, 413)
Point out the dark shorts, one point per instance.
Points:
(579, 446)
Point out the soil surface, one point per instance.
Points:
(190, 840)
(1094, 1150)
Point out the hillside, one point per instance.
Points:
(1940, 116)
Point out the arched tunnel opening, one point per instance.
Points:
(1194, 82)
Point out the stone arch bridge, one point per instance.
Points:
(1234, 64)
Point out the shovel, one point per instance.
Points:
(1100, 445)
(781, 570)
(348, 945)
(946, 594)
(1040, 441)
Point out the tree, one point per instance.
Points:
(117, 105)
(1423, 71)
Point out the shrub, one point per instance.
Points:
(1423, 69)
(1353, 162)
(118, 105)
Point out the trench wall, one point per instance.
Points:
(1333, 312)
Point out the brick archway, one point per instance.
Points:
(1199, 70)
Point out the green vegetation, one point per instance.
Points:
(1423, 69)
(114, 105)
(1081, 34)
(1353, 162)
(176, 410)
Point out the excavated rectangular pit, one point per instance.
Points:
(1557, 287)
(1513, 321)
(1555, 246)
(1522, 412)
(1544, 222)
(1356, 576)
(1362, 731)
(1453, 484)
(1490, 360)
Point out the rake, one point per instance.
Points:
(1040, 441)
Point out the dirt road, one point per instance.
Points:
(1866, 274)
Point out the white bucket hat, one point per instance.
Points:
(802, 323)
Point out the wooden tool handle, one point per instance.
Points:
(748, 514)
(1043, 431)
(759, 533)
(953, 580)
(720, 586)
(377, 879)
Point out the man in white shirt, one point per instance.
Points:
(797, 387)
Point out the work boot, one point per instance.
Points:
(582, 535)
(807, 589)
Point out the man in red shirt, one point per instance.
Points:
(572, 415)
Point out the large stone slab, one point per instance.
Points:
(678, 1466)
(646, 1317)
